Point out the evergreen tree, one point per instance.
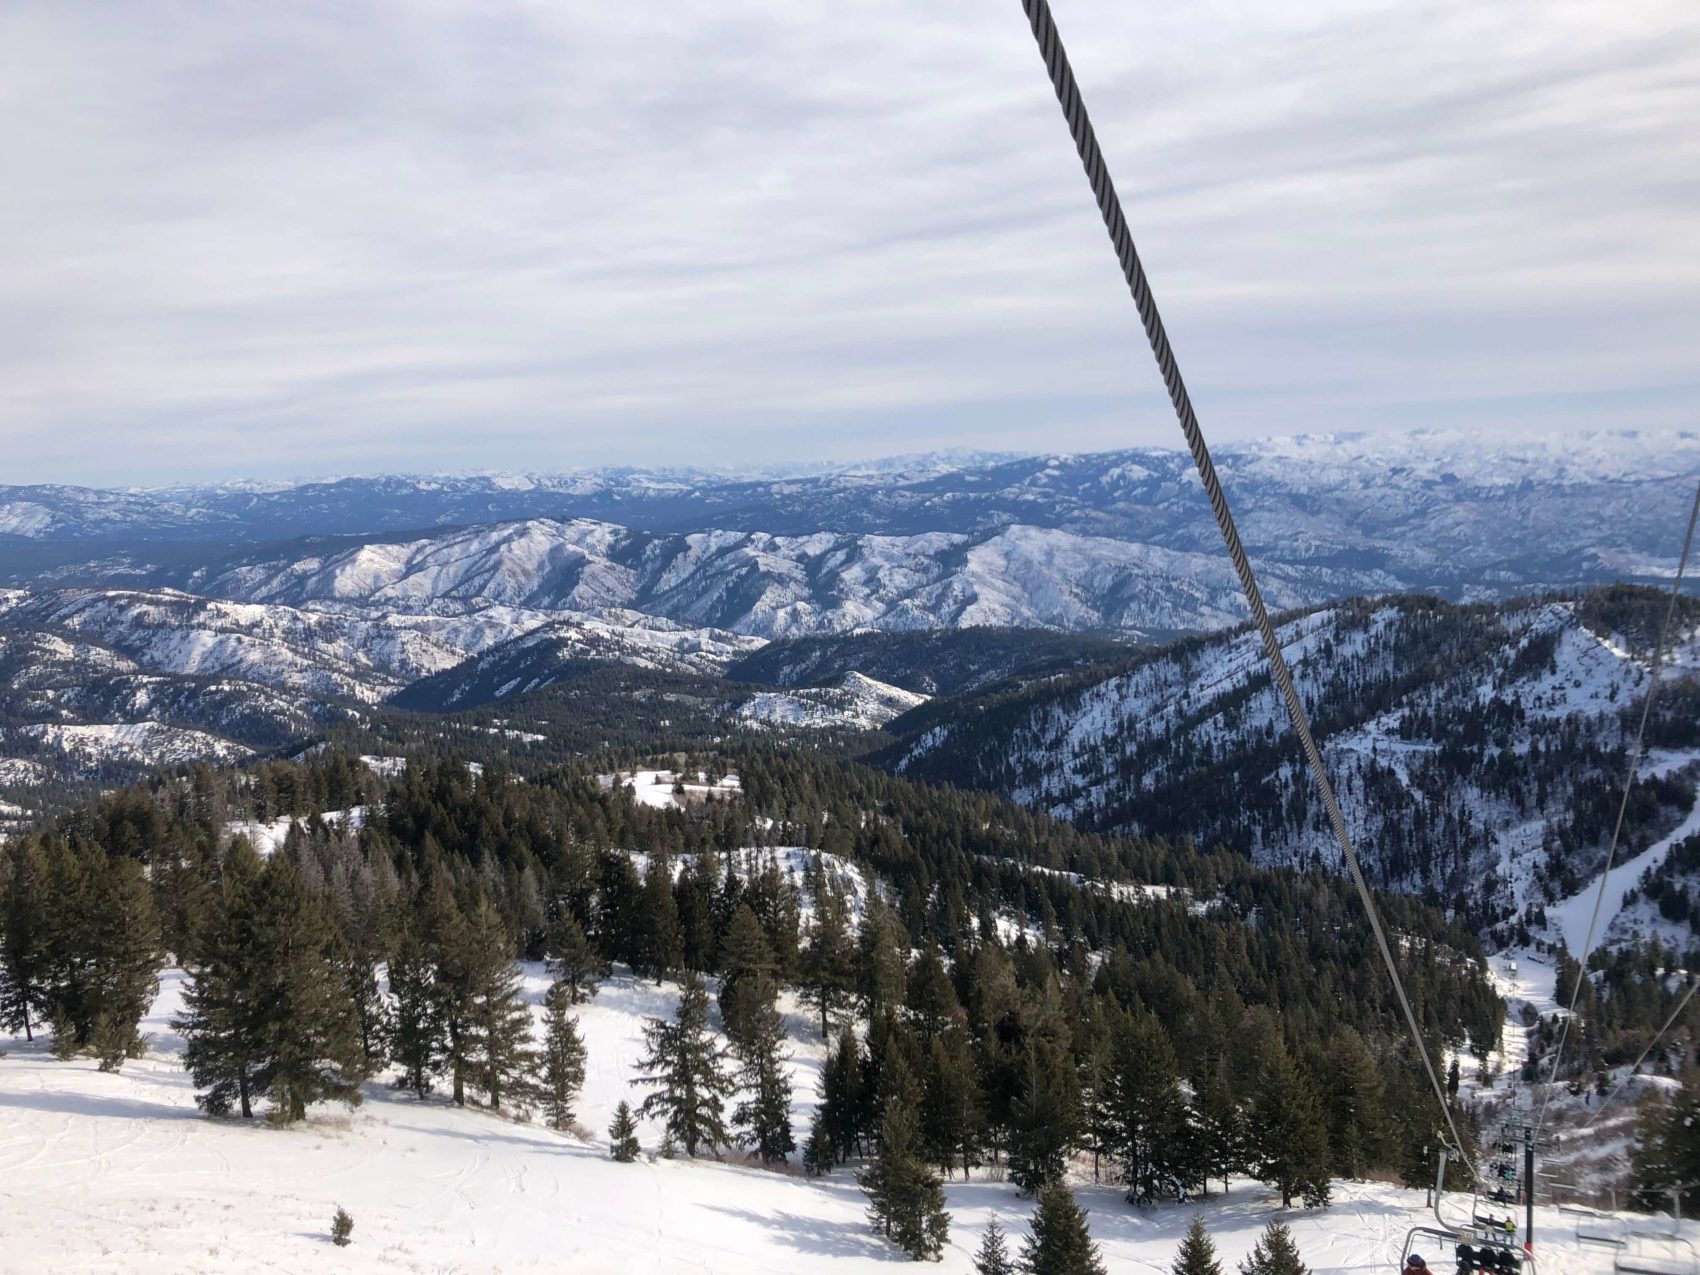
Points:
(1275, 1253)
(1060, 1243)
(764, 1117)
(222, 1021)
(311, 1044)
(622, 1134)
(905, 1197)
(828, 961)
(950, 1102)
(121, 957)
(683, 1064)
(1148, 1111)
(496, 1038)
(992, 1257)
(448, 942)
(932, 999)
(1197, 1255)
(1667, 1150)
(745, 959)
(563, 1059)
(24, 937)
(881, 971)
(1288, 1133)
(417, 1037)
(663, 943)
(1356, 1106)
(574, 959)
(842, 1099)
(1044, 1124)
(1221, 1127)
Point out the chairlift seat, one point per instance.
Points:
(1652, 1264)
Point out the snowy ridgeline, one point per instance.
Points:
(121, 1171)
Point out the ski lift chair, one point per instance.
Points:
(1656, 1248)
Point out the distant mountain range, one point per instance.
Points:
(259, 614)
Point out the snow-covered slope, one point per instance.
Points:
(121, 1172)
(1476, 751)
(858, 702)
(90, 747)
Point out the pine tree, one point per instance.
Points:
(881, 972)
(745, 958)
(933, 1005)
(222, 1024)
(622, 1134)
(1148, 1110)
(496, 1040)
(1060, 1243)
(24, 937)
(310, 1042)
(905, 1197)
(417, 1033)
(1044, 1124)
(64, 1031)
(1221, 1127)
(683, 1064)
(121, 955)
(663, 943)
(1275, 1253)
(1197, 1255)
(842, 1100)
(1356, 1106)
(764, 1117)
(1287, 1131)
(574, 959)
(828, 961)
(342, 1228)
(563, 1059)
(992, 1257)
(447, 941)
(950, 1102)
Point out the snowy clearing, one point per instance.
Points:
(108, 1172)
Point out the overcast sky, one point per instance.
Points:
(311, 238)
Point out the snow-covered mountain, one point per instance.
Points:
(1465, 514)
(765, 585)
(1478, 751)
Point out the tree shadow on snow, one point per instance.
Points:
(812, 1235)
(82, 1104)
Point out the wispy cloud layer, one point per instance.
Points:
(271, 239)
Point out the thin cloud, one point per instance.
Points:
(308, 239)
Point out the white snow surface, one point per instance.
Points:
(122, 1173)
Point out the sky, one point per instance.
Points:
(353, 236)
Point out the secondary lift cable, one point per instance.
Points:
(1622, 807)
(1636, 1065)
(1109, 204)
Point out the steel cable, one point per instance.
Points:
(1623, 806)
(1109, 204)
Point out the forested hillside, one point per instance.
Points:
(1005, 975)
(1479, 750)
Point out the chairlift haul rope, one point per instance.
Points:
(1109, 204)
(1617, 830)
